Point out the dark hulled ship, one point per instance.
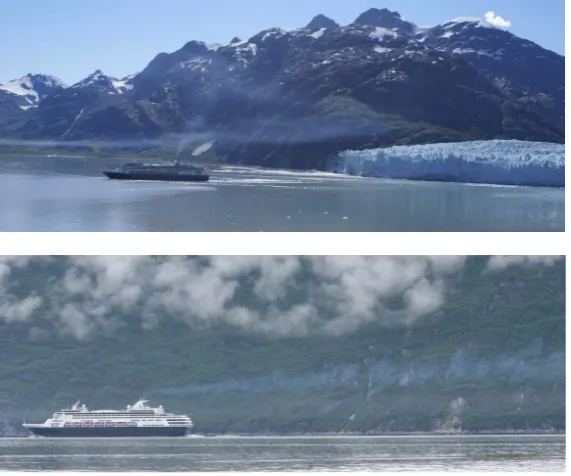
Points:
(176, 172)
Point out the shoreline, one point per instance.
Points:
(437, 434)
(395, 434)
(85, 155)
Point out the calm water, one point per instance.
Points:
(497, 453)
(57, 194)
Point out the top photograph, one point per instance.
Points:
(282, 116)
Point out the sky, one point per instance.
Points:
(71, 39)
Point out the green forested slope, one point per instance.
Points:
(491, 358)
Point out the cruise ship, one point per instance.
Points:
(138, 420)
(176, 172)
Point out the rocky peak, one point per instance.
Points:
(195, 47)
(385, 18)
(45, 80)
(321, 21)
(30, 90)
(97, 78)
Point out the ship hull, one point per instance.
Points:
(127, 432)
(162, 177)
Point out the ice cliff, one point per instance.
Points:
(503, 162)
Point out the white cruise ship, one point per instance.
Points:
(138, 420)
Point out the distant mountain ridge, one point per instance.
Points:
(295, 97)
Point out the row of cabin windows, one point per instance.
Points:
(112, 415)
(140, 412)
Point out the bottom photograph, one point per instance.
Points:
(282, 363)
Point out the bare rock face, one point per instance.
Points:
(321, 21)
(386, 19)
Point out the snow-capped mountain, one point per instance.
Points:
(105, 84)
(28, 91)
(519, 67)
(296, 96)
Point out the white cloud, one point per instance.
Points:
(13, 308)
(497, 20)
(278, 296)
(499, 263)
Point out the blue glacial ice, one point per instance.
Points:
(502, 162)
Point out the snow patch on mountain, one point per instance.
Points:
(121, 85)
(32, 88)
(106, 83)
(380, 49)
(463, 51)
(279, 32)
(236, 42)
(93, 78)
(468, 22)
(66, 133)
(21, 87)
(245, 47)
(319, 33)
(380, 33)
(212, 46)
(504, 162)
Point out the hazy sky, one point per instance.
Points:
(71, 39)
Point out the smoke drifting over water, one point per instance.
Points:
(286, 296)
(103, 144)
(197, 132)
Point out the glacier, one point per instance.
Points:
(500, 162)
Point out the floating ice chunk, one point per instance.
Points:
(502, 162)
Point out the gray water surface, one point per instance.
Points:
(69, 194)
(456, 453)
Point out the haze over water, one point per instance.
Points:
(429, 453)
(70, 194)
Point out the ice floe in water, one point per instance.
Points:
(502, 162)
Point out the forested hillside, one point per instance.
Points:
(291, 345)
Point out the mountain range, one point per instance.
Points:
(295, 97)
